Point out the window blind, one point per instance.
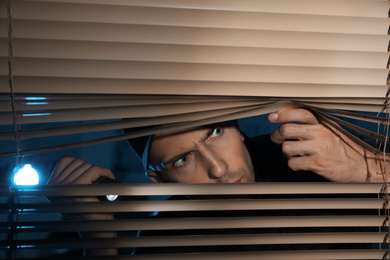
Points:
(260, 220)
(179, 64)
(175, 62)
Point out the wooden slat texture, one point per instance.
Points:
(202, 205)
(217, 240)
(197, 189)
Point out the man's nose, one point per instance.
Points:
(217, 166)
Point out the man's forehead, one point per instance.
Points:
(188, 131)
(195, 129)
(180, 133)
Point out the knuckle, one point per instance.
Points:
(324, 131)
(309, 116)
(321, 163)
(79, 162)
(66, 160)
(284, 129)
(292, 164)
(275, 136)
(324, 149)
(289, 130)
(286, 147)
(97, 171)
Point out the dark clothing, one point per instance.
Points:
(270, 165)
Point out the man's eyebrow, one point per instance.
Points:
(208, 133)
(184, 154)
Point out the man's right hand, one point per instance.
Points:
(70, 170)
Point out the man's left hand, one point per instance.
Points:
(311, 146)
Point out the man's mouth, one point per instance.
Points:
(239, 181)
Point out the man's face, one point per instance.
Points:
(214, 154)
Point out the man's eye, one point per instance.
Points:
(181, 161)
(218, 131)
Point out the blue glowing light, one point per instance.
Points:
(36, 103)
(38, 114)
(26, 175)
(35, 98)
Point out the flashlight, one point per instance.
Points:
(104, 179)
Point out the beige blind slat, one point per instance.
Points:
(195, 54)
(196, 36)
(57, 104)
(194, 205)
(195, 72)
(250, 19)
(53, 131)
(204, 223)
(183, 125)
(122, 112)
(113, 125)
(273, 255)
(198, 189)
(121, 86)
(43, 103)
(343, 7)
(163, 110)
(296, 255)
(201, 240)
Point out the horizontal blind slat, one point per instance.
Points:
(367, 254)
(193, 54)
(108, 101)
(196, 189)
(45, 85)
(140, 122)
(208, 240)
(119, 125)
(99, 32)
(200, 205)
(293, 255)
(191, 17)
(196, 72)
(341, 7)
(201, 223)
(167, 110)
(41, 116)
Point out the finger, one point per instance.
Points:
(67, 167)
(92, 174)
(76, 169)
(303, 163)
(293, 131)
(59, 168)
(301, 115)
(292, 149)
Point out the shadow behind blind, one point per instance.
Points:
(200, 221)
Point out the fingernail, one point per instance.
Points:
(273, 117)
